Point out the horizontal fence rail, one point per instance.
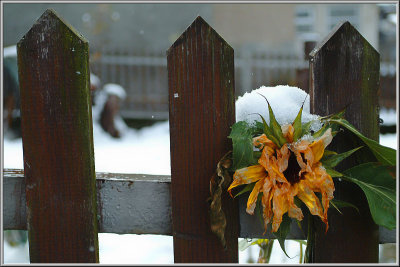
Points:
(134, 204)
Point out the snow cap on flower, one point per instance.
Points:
(285, 101)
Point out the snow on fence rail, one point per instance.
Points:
(65, 206)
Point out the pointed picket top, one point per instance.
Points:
(344, 73)
(201, 111)
(198, 23)
(342, 29)
(57, 134)
(345, 61)
(49, 22)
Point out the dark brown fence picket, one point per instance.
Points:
(201, 108)
(57, 143)
(344, 72)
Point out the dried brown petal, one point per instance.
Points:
(219, 183)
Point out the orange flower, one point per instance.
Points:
(283, 173)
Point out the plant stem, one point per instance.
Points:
(301, 253)
(310, 240)
(265, 251)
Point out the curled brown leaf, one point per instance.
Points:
(219, 183)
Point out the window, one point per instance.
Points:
(338, 13)
(304, 19)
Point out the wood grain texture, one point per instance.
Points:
(57, 143)
(344, 72)
(201, 111)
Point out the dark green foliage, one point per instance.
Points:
(380, 193)
(283, 231)
(241, 136)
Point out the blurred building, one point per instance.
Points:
(288, 26)
(387, 32)
(140, 26)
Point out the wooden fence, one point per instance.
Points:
(145, 79)
(64, 204)
(144, 76)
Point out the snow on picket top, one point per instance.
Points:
(285, 102)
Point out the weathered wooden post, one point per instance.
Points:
(201, 111)
(344, 72)
(303, 73)
(58, 143)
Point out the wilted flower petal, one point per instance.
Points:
(284, 173)
(251, 202)
(288, 132)
(247, 175)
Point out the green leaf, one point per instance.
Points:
(333, 173)
(259, 241)
(321, 131)
(297, 201)
(385, 155)
(299, 225)
(328, 153)
(275, 126)
(247, 188)
(324, 128)
(339, 115)
(259, 209)
(242, 153)
(283, 231)
(257, 154)
(240, 129)
(268, 132)
(342, 204)
(334, 160)
(258, 127)
(242, 143)
(334, 132)
(305, 128)
(297, 125)
(244, 243)
(378, 183)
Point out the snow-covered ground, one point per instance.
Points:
(136, 152)
(388, 116)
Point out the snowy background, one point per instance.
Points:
(134, 153)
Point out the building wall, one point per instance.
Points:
(256, 25)
(369, 27)
(368, 20)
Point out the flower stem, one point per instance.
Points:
(310, 240)
(301, 253)
(265, 251)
